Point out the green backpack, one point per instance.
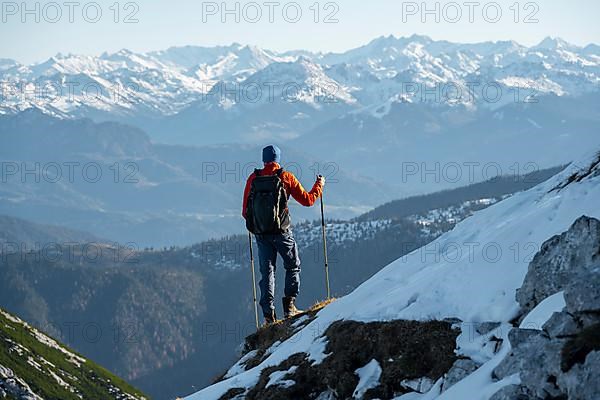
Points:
(267, 208)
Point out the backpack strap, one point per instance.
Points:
(279, 172)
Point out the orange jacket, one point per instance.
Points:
(292, 186)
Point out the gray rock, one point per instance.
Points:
(518, 337)
(570, 263)
(486, 327)
(521, 340)
(327, 395)
(562, 260)
(512, 392)
(536, 358)
(583, 295)
(560, 325)
(460, 370)
(542, 373)
(582, 382)
(422, 385)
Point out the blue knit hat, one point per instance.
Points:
(271, 154)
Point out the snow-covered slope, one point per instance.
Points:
(470, 274)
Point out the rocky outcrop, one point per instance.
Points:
(410, 356)
(563, 262)
(562, 359)
(459, 371)
(512, 392)
(537, 359)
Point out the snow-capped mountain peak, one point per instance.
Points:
(6, 63)
(554, 43)
(304, 80)
(237, 63)
(592, 49)
(167, 82)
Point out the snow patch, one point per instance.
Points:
(543, 311)
(316, 352)
(368, 378)
(239, 366)
(478, 347)
(480, 385)
(277, 378)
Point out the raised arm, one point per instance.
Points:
(303, 197)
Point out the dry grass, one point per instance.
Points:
(282, 330)
(311, 312)
(320, 305)
(279, 331)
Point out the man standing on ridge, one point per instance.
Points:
(266, 212)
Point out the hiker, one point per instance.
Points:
(266, 212)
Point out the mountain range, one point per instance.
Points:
(207, 95)
(484, 105)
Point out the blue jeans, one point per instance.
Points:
(269, 246)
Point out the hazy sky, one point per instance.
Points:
(161, 24)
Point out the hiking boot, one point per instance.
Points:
(289, 308)
(270, 319)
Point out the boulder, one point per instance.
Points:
(537, 359)
(563, 359)
(486, 327)
(512, 392)
(562, 260)
(421, 385)
(560, 325)
(514, 362)
(460, 370)
(583, 295)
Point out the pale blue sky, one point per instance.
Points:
(180, 22)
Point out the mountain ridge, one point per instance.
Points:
(138, 86)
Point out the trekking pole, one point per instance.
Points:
(253, 279)
(325, 248)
